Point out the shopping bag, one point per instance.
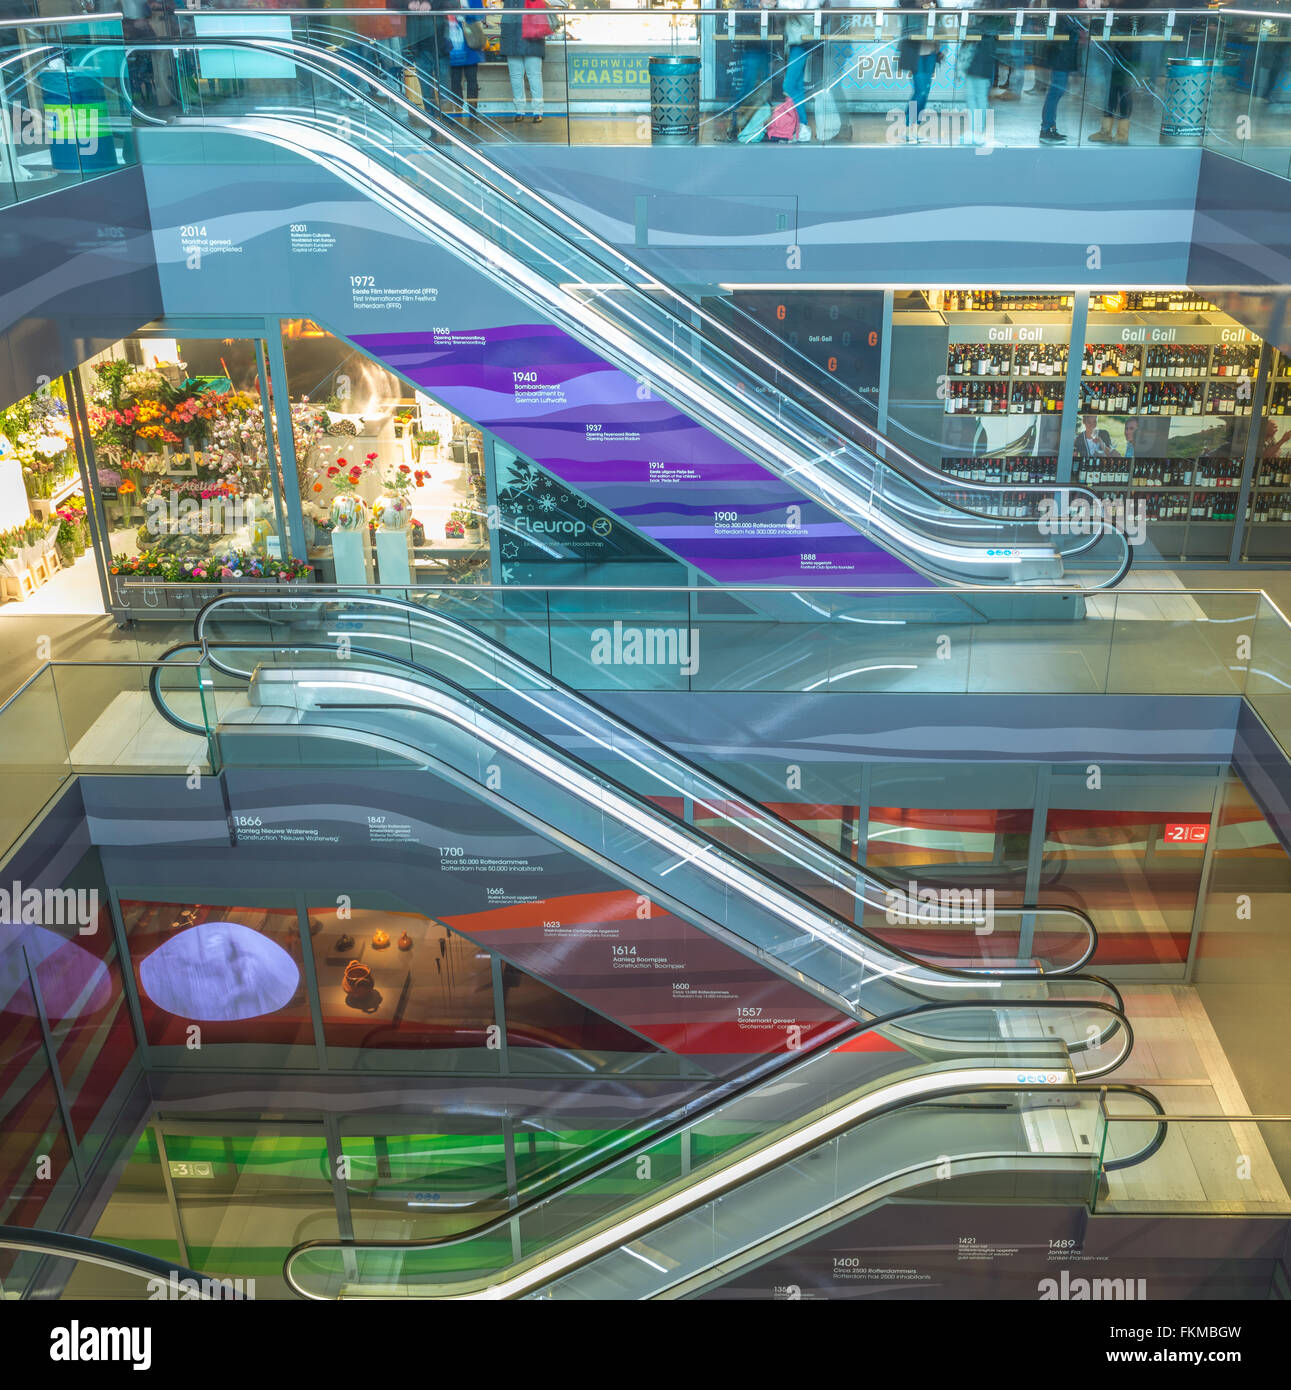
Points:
(784, 122)
(828, 119)
(755, 127)
(536, 24)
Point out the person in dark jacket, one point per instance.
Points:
(524, 58)
(463, 60)
(1061, 58)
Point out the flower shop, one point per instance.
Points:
(187, 463)
(43, 520)
(284, 460)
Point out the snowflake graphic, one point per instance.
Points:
(510, 549)
(547, 503)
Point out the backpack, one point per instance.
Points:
(784, 122)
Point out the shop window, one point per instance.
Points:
(183, 463)
(395, 490)
(402, 1186)
(397, 981)
(246, 1199)
(35, 1158)
(89, 1022)
(1166, 392)
(548, 1030)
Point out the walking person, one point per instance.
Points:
(798, 34)
(750, 67)
(1061, 57)
(427, 47)
(978, 64)
(918, 55)
(525, 52)
(463, 42)
(1122, 63)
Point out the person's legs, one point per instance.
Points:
(533, 71)
(795, 77)
(925, 67)
(471, 72)
(455, 86)
(976, 91)
(1057, 86)
(515, 71)
(1010, 67)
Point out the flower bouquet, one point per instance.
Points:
(393, 509)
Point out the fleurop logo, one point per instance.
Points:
(77, 1343)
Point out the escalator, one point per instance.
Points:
(911, 1040)
(747, 1176)
(769, 432)
(246, 636)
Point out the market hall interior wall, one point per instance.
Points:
(77, 271)
(876, 216)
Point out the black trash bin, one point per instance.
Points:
(674, 101)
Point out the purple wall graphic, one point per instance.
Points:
(641, 459)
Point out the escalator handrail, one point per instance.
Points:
(685, 1117)
(60, 1245)
(469, 698)
(1149, 1149)
(319, 61)
(494, 651)
(907, 982)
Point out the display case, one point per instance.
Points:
(1167, 389)
(1268, 511)
(1004, 374)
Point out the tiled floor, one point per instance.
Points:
(1203, 1166)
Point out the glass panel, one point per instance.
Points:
(33, 760)
(185, 476)
(246, 1199)
(390, 476)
